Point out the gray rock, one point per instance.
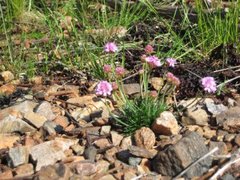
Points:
(228, 177)
(134, 161)
(90, 153)
(52, 128)
(18, 155)
(49, 152)
(13, 124)
(140, 152)
(124, 155)
(45, 109)
(177, 157)
(215, 109)
(222, 147)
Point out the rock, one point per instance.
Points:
(195, 117)
(102, 143)
(110, 154)
(12, 124)
(116, 138)
(52, 128)
(237, 139)
(56, 171)
(230, 119)
(168, 140)
(61, 121)
(107, 177)
(231, 102)
(221, 134)
(24, 170)
(144, 138)
(8, 140)
(18, 156)
(102, 166)
(145, 165)
(7, 89)
(126, 142)
(134, 161)
(105, 130)
(37, 80)
(229, 137)
(77, 149)
(141, 152)
(177, 157)
(85, 168)
(35, 119)
(133, 88)
(190, 103)
(129, 174)
(123, 155)
(166, 124)
(208, 133)
(49, 152)
(228, 177)
(157, 83)
(222, 147)
(6, 175)
(45, 109)
(215, 109)
(7, 76)
(90, 153)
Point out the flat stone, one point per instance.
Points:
(116, 138)
(144, 138)
(8, 140)
(133, 88)
(35, 119)
(24, 170)
(215, 109)
(6, 175)
(195, 116)
(45, 109)
(179, 156)
(49, 152)
(18, 156)
(85, 168)
(166, 124)
(12, 124)
(140, 152)
(105, 130)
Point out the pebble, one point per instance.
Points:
(195, 117)
(8, 140)
(18, 156)
(144, 138)
(7, 76)
(24, 170)
(105, 130)
(116, 138)
(134, 161)
(45, 109)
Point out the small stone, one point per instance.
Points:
(129, 174)
(208, 133)
(228, 177)
(37, 80)
(116, 138)
(85, 168)
(144, 138)
(215, 109)
(195, 117)
(126, 142)
(35, 119)
(102, 166)
(24, 170)
(12, 124)
(49, 152)
(77, 149)
(51, 128)
(133, 88)
(221, 134)
(6, 174)
(90, 153)
(107, 177)
(229, 137)
(140, 152)
(7, 140)
(237, 139)
(102, 143)
(18, 155)
(166, 124)
(231, 102)
(134, 161)
(7, 76)
(157, 83)
(45, 109)
(7, 89)
(222, 147)
(123, 155)
(62, 121)
(190, 103)
(145, 165)
(110, 154)
(105, 130)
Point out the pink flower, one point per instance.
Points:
(110, 47)
(107, 68)
(153, 61)
(149, 49)
(104, 88)
(114, 85)
(153, 94)
(209, 84)
(171, 62)
(120, 71)
(173, 79)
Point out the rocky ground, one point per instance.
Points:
(54, 132)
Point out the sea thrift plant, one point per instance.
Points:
(120, 71)
(110, 47)
(148, 49)
(171, 62)
(209, 84)
(173, 79)
(153, 61)
(107, 68)
(104, 88)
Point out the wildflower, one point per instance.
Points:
(114, 85)
(107, 68)
(120, 71)
(153, 94)
(209, 84)
(149, 49)
(173, 79)
(104, 88)
(153, 61)
(141, 71)
(171, 62)
(110, 47)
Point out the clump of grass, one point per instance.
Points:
(140, 112)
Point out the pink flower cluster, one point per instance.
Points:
(104, 88)
(153, 61)
(173, 79)
(110, 47)
(148, 49)
(171, 62)
(209, 84)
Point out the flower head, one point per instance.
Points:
(107, 68)
(104, 88)
(153, 94)
(171, 62)
(153, 61)
(149, 49)
(110, 47)
(120, 71)
(209, 84)
(173, 79)
(114, 85)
